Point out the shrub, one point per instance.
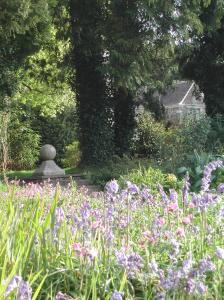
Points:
(215, 141)
(149, 136)
(194, 134)
(181, 142)
(151, 177)
(72, 155)
(24, 145)
(59, 131)
(113, 169)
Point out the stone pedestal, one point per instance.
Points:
(48, 168)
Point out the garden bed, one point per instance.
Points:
(129, 244)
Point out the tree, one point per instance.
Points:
(44, 79)
(23, 27)
(140, 51)
(24, 24)
(120, 46)
(93, 99)
(203, 62)
(122, 43)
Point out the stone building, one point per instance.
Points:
(181, 101)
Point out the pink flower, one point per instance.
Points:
(187, 220)
(80, 251)
(160, 221)
(172, 207)
(96, 224)
(149, 237)
(180, 232)
(167, 235)
(93, 253)
(191, 205)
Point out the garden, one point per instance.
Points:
(88, 78)
(130, 243)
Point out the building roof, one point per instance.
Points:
(182, 93)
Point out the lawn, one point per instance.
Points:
(28, 173)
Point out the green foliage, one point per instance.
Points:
(152, 103)
(3, 187)
(151, 177)
(24, 25)
(194, 134)
(218, 177)
(24, 145)
(118, 47)
(124, 121)
(203, 61)
(195, 166)
(59, 131)
(182, 141)
(44, 78)
(215, 142)
(20, 17)
(93, 101)
(113, 169)
(22, 174)
(149, 136)
(72, 155)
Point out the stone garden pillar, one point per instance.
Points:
(48, 167)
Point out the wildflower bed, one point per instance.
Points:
(121, 244)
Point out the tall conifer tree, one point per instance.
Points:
(95, 114)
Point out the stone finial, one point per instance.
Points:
(47, 152)
(48, 167)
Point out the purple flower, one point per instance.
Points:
(13, 284)
(132, 188)
(172, 280)
(190, 286)
(220, 188)
(132, 262)
(21, 287)
(173, 195)
(109, 235)
(187, 266)
(201, 288)
(206, 265)
(146, 195)
(185, 189)
(25, 291)
(85, 210)
(163, 194)
(59, 215)
(220, 252)
(61, 296)
(221, 212)
(121, 258)
(206, 180)
(175, 248)
(202, 201)
(112, 187)
(153, 266)
(160, 296)
(117, 296)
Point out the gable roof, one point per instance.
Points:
(182, 93)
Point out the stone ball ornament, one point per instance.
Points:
(48, 168)
(47, 152)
